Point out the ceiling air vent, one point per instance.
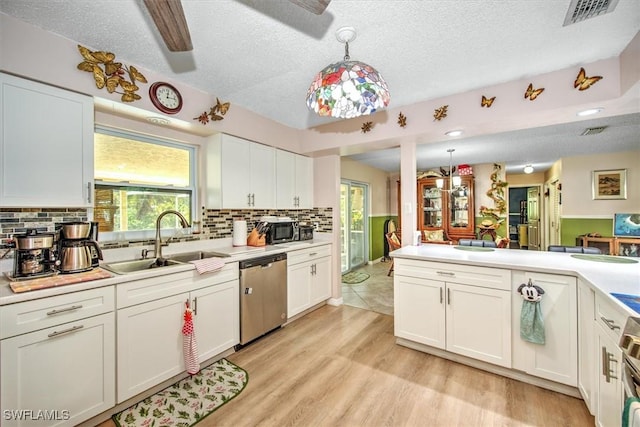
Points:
(593, 131)
(579, 10)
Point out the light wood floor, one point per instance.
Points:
(340, 366)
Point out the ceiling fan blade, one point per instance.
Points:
(314, 6)
(171, 23)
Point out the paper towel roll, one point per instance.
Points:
(239, 233)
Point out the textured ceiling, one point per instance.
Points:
(262, 55)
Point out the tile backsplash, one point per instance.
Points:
(215, 223)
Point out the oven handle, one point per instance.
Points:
(627, 381)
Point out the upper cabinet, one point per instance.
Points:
(46, 145)
(294, 181)
(240, 174)
(449, 210)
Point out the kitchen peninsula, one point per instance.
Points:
(463, 304)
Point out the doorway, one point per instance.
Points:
(354, 223)
(525, 225)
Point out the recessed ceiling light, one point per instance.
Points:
(528, 169)
(589, 112)
(454, 133)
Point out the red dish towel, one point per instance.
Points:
(208, 264)
(189, 346)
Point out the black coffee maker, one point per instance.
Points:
(34, 255)
(78, 247)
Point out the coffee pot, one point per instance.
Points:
(78, 247)
(34, 255)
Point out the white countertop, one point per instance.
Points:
(602, 276)
(235, 253)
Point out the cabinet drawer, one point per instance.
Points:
(43, 313)
(302, 255)
(140, 291)
(476, 276)
(610, 318)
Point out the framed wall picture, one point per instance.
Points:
(626, 225)
(609, 184)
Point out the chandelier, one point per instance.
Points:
(347, 89)
(455, 182)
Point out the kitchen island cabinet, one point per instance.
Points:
(150, 324)
(583, 321)
(46, 145)
(58, 355)
(467, 311)
(557, 358)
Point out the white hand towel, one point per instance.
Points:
(208, 264)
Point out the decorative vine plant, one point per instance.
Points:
(496, 193)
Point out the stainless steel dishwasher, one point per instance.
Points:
(263, 295)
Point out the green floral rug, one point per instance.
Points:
(188, 401)
(354, 277)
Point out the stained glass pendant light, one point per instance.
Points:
(347, 89)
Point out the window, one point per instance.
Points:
(138, 177)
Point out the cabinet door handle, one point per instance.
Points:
(440, 295)
(89, 188)
(253, 199)
(195, 306)
(448, 296)
(607, 358)
(66, 331)
(610, 323)
(248, 199)
(313, 254)
(445, 273)
(63, 310)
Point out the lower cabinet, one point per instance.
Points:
(469, 320)
(609, 405)
(586, 355)
(607, 331)
(557, 358)
(64, 373)
(308, 278)
(150, 334)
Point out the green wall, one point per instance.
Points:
(376, 231)
(571, 228)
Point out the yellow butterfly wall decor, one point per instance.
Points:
(532, 93)
(486, 102)
(222, 107)
(583, 82)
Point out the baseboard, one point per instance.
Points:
(335, 301)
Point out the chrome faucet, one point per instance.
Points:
(157, 248)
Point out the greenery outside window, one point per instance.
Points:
(138, 177)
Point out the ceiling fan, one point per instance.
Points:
(168, 16)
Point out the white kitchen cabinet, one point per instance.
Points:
(46, 145)
(610, 389)
(454, 313)
(308, 278)
(240, 174)
(557, 358)
(608, 327)
(150, 324)
(586, 355)
(294, 181)
(217, 318)
(58, 355)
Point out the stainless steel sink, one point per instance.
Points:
(126, 267)
(193, 256)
